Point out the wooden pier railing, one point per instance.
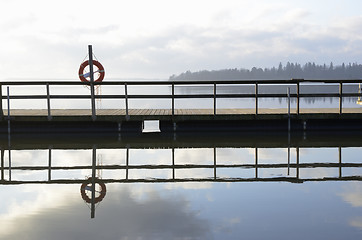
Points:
(296, 84)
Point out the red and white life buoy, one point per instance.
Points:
(83, 76)
(85, 186)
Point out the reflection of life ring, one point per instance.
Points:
(85, 187)
(83, 76)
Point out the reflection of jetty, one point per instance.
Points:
(287, 166)
(289, 169)
(217, 118)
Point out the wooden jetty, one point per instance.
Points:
(176, 119)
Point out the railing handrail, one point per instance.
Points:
(184, 82)
(172, 96)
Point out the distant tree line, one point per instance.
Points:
(290, 70)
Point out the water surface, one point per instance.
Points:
(181, 190)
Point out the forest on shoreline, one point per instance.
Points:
(309, 70)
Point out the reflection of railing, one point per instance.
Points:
(253, 170)
(359, 101)
(173, 95)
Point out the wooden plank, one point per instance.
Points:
(233, 111)
(153, 112)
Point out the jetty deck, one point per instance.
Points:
(175, 117)
(179, 114)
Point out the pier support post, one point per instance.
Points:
(90, 52)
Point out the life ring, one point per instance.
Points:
(82, 75)
(85, 187)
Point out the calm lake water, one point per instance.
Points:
(195, 187)
(220, 188)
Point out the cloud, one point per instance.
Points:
(156, 42)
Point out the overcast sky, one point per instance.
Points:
(43, 39)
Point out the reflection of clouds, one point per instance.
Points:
(309, 155)
(149, 156)
(235, 156)
(71, 157)
(273, 155)
(353, 194)
(32, 200)
(27, 157)
(119, 216)
(190, 185)
(194, 156)
(356, 222)
(227, 225)
(318, 172)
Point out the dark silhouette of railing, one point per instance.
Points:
(173, 167)
(125, 96)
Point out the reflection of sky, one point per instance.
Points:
(312, 210)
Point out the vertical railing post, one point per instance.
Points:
(8, 98)
(214, 163)
(173, 163)
(50, 164)
(126, 99)
(340, 97)
(173, 99)
(288, 171)
(93, 101)
(214, 98)
(9, 163)
(256, 162)
(48, 102)
(9, 143)
(288, 93)
(297, 170)
(127, 161)
(340, 160)
(256, 98)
